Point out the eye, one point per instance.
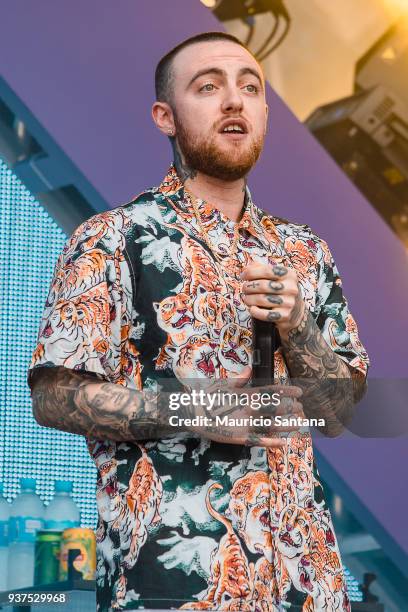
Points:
(252, 88)
(207, 87)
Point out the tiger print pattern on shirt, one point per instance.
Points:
(186, 523)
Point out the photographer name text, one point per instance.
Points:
(227, 421)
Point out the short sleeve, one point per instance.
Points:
(88, 306)
(334, 319)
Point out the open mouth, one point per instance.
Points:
(47, 330)
(110, 488)
(248, 243)
(234, 128)
(128, 367)
(288, 540)
(206, 365)
(182, 321)
(264, 519)
(305, 580)
(231, 354)
(330, 537)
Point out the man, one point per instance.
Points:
(214, 518)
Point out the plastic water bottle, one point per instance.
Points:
(26, 518)
(4, 518)
(62, 512)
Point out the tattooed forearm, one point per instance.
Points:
(183, 169)
(79, 403)
(330, 387)
(82, 403)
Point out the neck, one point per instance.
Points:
(227, 196)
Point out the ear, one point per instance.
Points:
(266, 117)
(163, 117)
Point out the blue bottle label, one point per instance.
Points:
(4, 538)
(24, 528)
(61, 525)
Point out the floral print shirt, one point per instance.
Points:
(184, 522)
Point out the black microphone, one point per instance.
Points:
(265, 339)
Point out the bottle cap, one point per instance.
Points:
(28, 483)
(63, 486)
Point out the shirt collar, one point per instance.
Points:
(172, 187)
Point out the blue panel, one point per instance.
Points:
(30, 242)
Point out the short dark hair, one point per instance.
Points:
(163, 73)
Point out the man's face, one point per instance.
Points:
(217, 85)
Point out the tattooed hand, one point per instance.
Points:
(230, 419)
(330, 386)
(272, 294)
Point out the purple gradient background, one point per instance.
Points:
(85, 70)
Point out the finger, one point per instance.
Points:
(215, 385)
(250, 439)
(290, 408)
(254, 270)
(279, 286)
(288, 399)
(273, 315)
(288, 390)
(262, 440)
(259, 441)
(235, 379)
(229, 408)
(239, 379)
(227, 436)
(222, 436)
(263, 285)
(283, 390)
(284, 403)
(244, 373)
(259, 270)
(268, 300)
(268, 395)
(264, 300)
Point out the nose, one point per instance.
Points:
(232, 101)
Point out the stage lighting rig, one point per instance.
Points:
(367, 135)
(246, 10)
